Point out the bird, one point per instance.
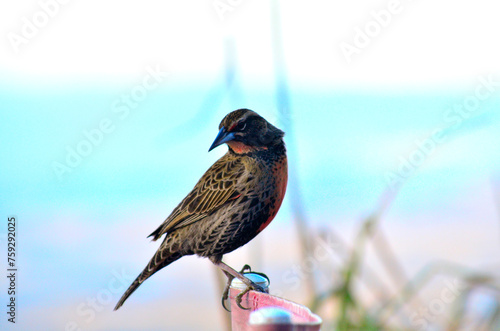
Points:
(235, 200)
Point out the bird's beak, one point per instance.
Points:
(222, 137)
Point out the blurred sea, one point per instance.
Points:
(89, 175)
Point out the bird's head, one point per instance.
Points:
(246, 131)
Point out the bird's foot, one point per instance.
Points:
(225, 294)
(250, 286)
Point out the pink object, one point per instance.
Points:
(270, 313)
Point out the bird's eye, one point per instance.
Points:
(241, 126)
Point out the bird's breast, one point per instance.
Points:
(279, 174)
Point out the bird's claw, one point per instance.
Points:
(239, 297)
(225, 294)
(250, 286)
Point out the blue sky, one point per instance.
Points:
(351, 125)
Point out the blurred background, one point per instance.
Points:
(391, 110)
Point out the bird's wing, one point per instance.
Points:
(217, 187)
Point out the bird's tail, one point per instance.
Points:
(161, 259)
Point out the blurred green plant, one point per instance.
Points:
(404, 310)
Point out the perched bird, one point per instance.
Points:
(234, 200)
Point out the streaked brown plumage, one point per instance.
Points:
(234, 200)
